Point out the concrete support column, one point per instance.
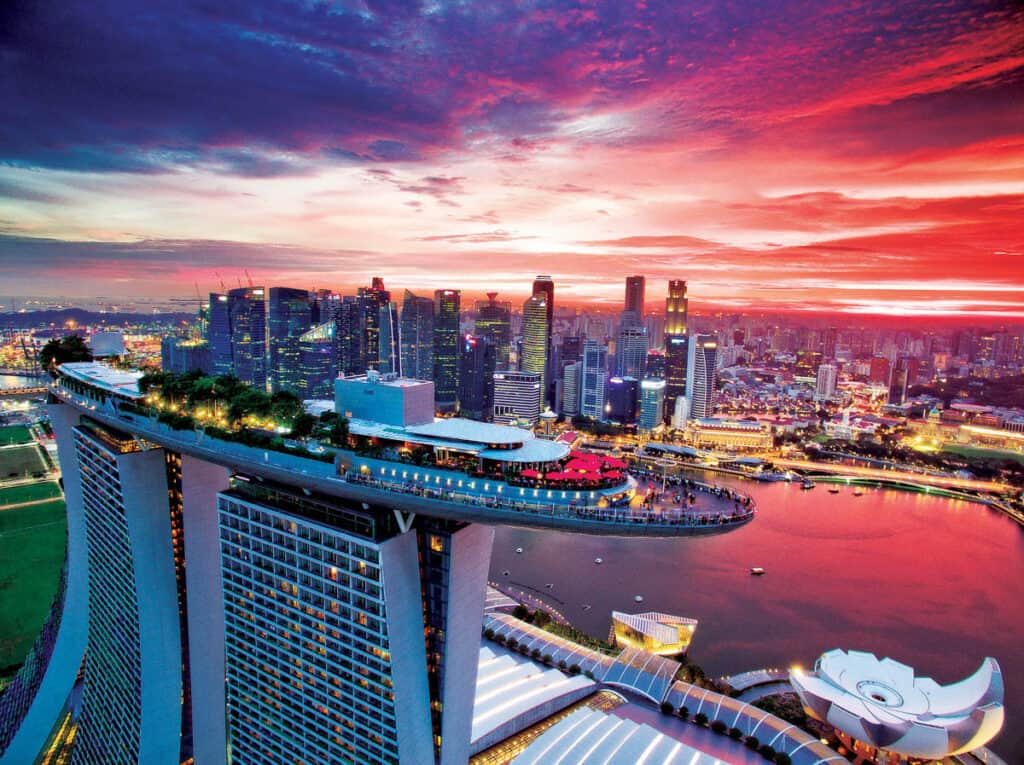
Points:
(200, 482)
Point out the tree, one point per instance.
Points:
(666, 708)
(338, 435)
(700, 718)
(285, 406)
(781, 758)
(63, 351)
(302, 426)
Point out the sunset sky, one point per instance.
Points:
(865, 157)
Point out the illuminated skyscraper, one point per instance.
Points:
(593, 373)
(631, 347)
(546, 286)
(534, 356)
(318, 362)
(702, 376)
(446, 349)
(370, 300)
(494, 321)
(389, 350)
(417, 329)
(517, 398)
(218, 335)
(826, 382)
(652, 403)
(676, 351)
(288, 316)
(247, 318)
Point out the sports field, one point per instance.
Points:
(33, 492)
(19, 461)
(15, 434)
(983, 453)
(31, 555)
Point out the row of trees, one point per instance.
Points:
(722, 728)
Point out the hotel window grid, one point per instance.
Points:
(307, 652)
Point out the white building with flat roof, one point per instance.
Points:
(385, 398)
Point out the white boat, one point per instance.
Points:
(757, 571)
(639, 598)
(598, 561)
(519, 551)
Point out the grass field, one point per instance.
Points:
(17, 461)
(982, 453)
(14, 495)
(15, 434)
(31, 556)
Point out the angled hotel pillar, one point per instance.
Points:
(131, 702)
(32, 726)
(200, 483)
(454, 564)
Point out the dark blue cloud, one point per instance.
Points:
(269, 87)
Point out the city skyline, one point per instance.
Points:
(777, 158)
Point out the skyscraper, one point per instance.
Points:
(898, 378)
(446, 349)
(517, 398)
(702, 375)
(676, 351)
(318, 362)
(631, 346)
(417, 329)
(218, 335)
(349, 337)
(534, 356)
(288, 316)
(571, 388)
(494, 321)
(826, 382)
(622, 397)
(389, 349)
(370, 300)
(546, 286)
(652, 403)
(247, 319)
(476, 377)
(593, 373)
(635, 292)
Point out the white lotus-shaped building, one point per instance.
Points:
(882, 703)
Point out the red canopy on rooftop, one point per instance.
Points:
(592, 476)
(580, 464)
(529, 473)
(612, 462)
(613, 474)
(556, 476)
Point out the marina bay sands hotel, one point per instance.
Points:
(230, 603)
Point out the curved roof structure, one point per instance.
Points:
(882, 703)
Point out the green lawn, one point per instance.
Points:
(983, 453)
(31, 556)
(14, 495)
(18, 461)
(15, 434)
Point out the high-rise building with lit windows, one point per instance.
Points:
(702, 376)
(446, 349)
(289, 315)
(593, 375)
(676, 342)
(545, 285)
(494, 321)
(417, 337)
(534, 355)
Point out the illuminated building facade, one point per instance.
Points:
(676, 348)
(417, 337)
(289, 315)
(446, 349)
(702, 375)
(494, 321)
(536, 332)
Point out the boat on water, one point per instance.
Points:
(757, 571)
(598, 561)
(519, 551)
(639, 598)
(833, 490)
(858, 492)
(807, 484)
